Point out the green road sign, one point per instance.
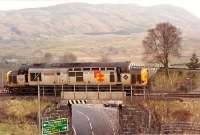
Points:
(55, 126)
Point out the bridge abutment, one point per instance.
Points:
(137, 120)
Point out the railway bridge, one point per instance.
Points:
(95, 95)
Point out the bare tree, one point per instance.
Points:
(48, 57)
(162, 42)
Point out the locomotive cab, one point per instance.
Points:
(136, 77)
(11, 77)
(139, 77)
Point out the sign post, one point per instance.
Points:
(39, 108)
(55, 126)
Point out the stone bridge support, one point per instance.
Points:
(137, 120)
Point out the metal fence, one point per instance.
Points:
(180, 128)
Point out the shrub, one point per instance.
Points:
(182, 115)
(161, 82)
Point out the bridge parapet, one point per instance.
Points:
(93, 95)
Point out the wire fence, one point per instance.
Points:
(180, 128)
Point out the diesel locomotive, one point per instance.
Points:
(76, 76)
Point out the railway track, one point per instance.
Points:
(27, 94)
(152, 95)
(184, 95)
(171, 95)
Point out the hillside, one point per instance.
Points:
(86, 30)
(80, 18)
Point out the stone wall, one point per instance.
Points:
(136, 119)
(60, 110)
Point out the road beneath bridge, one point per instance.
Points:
(94, 120)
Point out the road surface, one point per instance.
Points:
(91, 120)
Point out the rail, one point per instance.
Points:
(171, 95)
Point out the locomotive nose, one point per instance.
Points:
(8, 77)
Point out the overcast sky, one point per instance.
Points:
(191, 5)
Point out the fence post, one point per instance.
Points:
(131, 93)
(74, 91)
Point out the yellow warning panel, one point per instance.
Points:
(144, 76)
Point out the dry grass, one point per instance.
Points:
(176, 111)
(18, 116)
(20, 109)
(196, 80)
(177, 81)
(18, 129)
(168, 84)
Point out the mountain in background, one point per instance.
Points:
(80, 18)
(85, 30)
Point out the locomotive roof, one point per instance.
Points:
(88, 64)
(123, 65)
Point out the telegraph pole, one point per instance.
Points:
(39, 117)
(2, 78)
(62, 94)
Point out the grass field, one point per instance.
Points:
(171, 110)
(176, 111)
(18, 116)
(18, 129)
(116, 47)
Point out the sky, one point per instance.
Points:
(190, 5)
